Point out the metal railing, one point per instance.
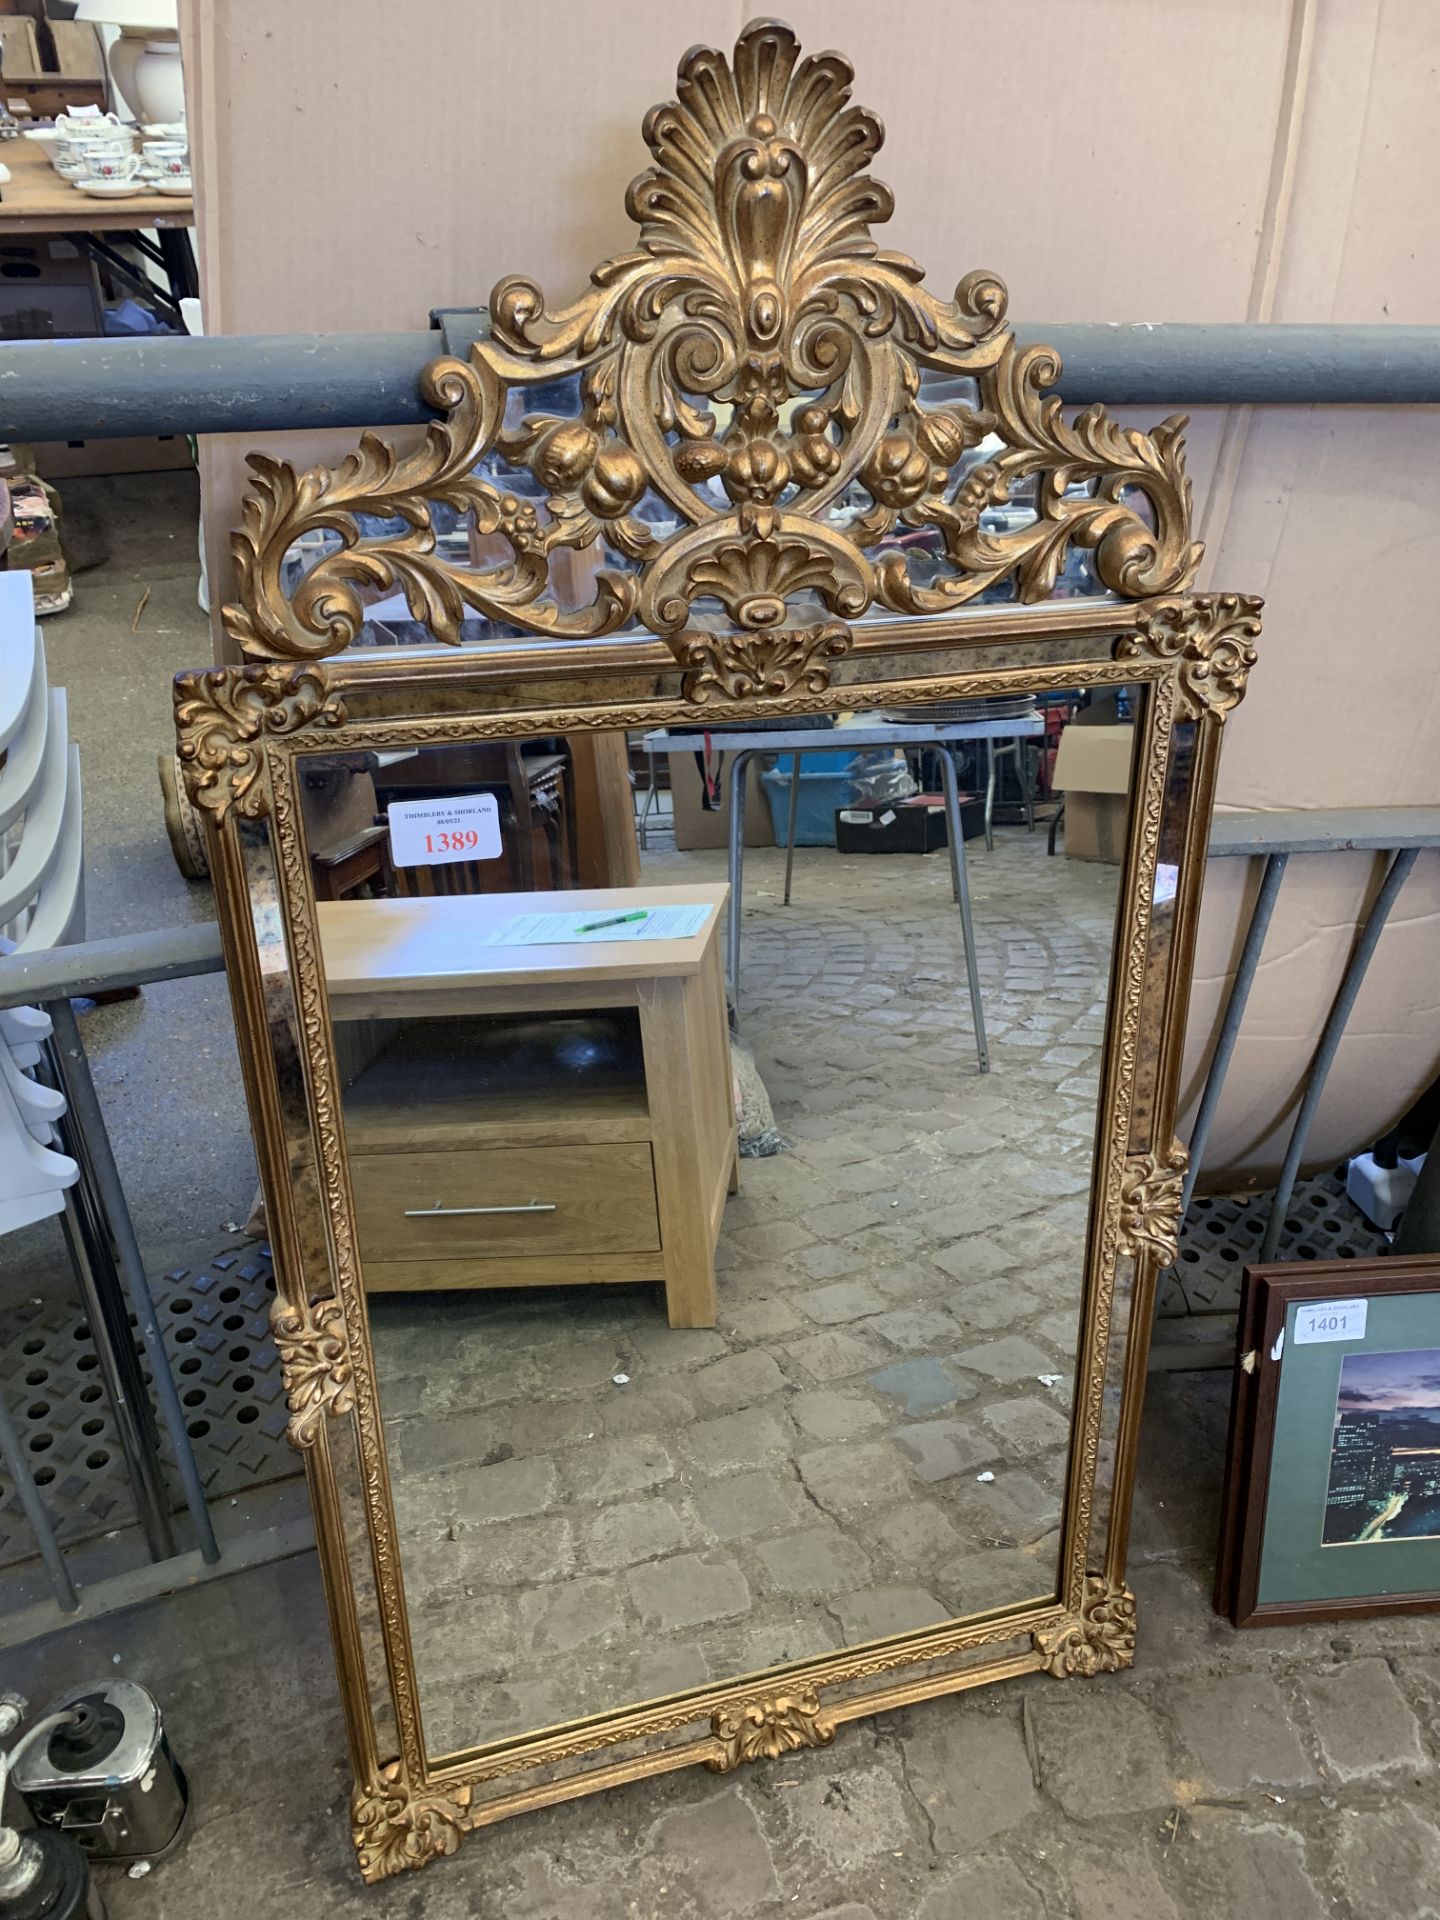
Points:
(66, 390)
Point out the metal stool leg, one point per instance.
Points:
(960, 879)
(738, 762)
(989, 795)
(791, 822)
(1027, 783)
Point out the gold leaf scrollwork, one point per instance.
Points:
(396, 1829)
(749, 423)
(1151, 1193)
(223, 717)
(740, 665)
(1212, 638)
(764, 1729)
(1099, 1639)
(314, 1364)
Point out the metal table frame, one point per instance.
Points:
(741, 746)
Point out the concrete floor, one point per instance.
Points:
(1287, 1773)
(1290, 1773)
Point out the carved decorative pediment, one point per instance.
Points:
(749, 443)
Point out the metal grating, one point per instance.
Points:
(216, 1323)
(1222, 1234)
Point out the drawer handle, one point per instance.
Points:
(429, 1213)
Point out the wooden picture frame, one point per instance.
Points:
(1270, 1297)
(753, 359)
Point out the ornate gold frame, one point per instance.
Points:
(753, 358)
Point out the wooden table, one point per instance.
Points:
(465, 1177)
(38, 200)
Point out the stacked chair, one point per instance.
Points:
(41, 900)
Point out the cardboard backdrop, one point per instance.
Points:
(1121, 160)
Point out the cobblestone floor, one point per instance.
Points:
(1291, 1773)
(874, 1437)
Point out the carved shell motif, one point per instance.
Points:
(750, 432)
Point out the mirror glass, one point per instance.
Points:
(718, 1326)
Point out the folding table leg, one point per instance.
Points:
(960, 879)
(791, 822)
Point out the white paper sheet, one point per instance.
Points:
(564, 929)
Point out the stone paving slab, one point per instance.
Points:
(945, 1811)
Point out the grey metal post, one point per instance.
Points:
(738, 764)
(1234, 1013)
(18, 1469)
(1330, 1040)
(792, 820)
(960, 880)
(79, 1090)
(256, 383)
(104, 1303)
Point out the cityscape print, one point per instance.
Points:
(1385, 1455)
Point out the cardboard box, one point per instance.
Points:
(48, 289)
(59, 64)
(697, 825)
(1092, 770)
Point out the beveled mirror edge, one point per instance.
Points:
(248, 727)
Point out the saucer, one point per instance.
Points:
(110, 189)
(167, 130)
(173, 186)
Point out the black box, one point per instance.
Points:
(916, 825)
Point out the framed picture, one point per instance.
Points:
(1332, 1482)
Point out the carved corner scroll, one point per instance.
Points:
(396, 1829)
(224, 715)
(764, 1729)
(1100, 1638)
(314, 1364)
(748, 430)
(1151, 1194)
(1211, 638)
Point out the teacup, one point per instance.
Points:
(104, 163)
(170, 159)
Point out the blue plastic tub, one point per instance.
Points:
(822, 793)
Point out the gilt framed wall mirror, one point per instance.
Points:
(693, 1349)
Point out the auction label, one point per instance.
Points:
(429, 833)
(1330, 1320)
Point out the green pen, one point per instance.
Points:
(616, 920)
